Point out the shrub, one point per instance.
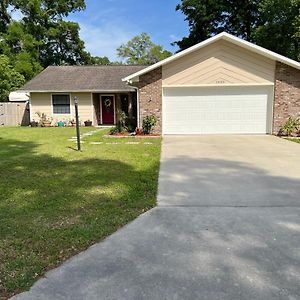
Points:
(44, 120)
(290, 127)
(131, 124)
(148, 123)
(122, 119)
(119, 128)
(114, 130)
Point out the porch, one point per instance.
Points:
(107, 106)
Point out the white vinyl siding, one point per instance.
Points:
(217, 110)
(219, 63)
(42, 102)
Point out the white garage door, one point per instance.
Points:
(217, 110)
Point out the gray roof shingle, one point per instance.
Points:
(82, 78)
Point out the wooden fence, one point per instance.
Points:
(14, 114)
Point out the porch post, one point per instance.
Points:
(130, 112)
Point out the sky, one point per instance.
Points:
(106, 24)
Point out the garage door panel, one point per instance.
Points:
(215, 111)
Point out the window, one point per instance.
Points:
(61, 104)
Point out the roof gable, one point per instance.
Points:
(222, 36)
(219, 63)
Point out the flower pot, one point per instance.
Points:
(46, 124)
(34, 124)
(88, 123)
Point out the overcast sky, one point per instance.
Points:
(106, 24)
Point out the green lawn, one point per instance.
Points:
(294, 140)
(56, 202)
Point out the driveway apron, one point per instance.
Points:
(227, 226)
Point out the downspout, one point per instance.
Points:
(30, 108)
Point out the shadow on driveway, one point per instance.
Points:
(213, 182)
(201, 251)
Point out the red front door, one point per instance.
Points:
(108, 110)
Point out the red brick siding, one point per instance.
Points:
(150, 87)
(287, 95)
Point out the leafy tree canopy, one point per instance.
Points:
(141, 50)
(10, 79)
(280, 27)
(97, 60)
(273, 24)
(42, 37)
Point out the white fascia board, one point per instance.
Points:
(260, 50)
(81, 91)
(226, 36)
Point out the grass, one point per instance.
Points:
(56, 202)
(294, 140)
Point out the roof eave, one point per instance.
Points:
(80, 91)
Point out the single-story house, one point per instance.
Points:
(99, 89)
(224, 85)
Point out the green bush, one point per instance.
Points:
(131, 124)
(118, 129)
(114, 130)
(148, 123)
(122, 118)
(291, 126)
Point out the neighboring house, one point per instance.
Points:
(222, 85)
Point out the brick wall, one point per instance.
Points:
(150, 86)
(287, 95)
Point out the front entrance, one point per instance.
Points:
(108, 109)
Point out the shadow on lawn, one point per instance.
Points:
(195, 252)
(52, 208)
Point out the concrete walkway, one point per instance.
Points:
(227, 226)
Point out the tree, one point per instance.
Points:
(280, 30)
(204, 19)
(273, 24)
(22, 49)
(208, 17)
(97, 60)
(10, 79)
(141, 50)
(43, 35)
(4, 15)
(241, 17)
(157, 53)
(63, 46)
(41, 38)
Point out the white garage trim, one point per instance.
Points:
(218, 110)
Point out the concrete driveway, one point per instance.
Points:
(229, 171)
(227, 226)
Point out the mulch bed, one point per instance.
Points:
(126, 135)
